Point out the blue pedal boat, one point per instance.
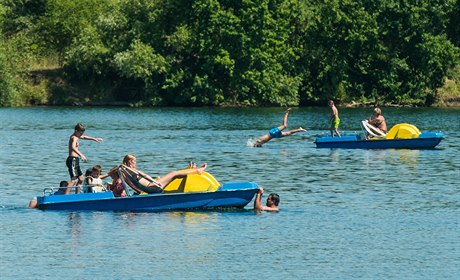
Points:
(401, 136)
(192, 192)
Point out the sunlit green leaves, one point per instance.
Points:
(244, 52)
(140, 62)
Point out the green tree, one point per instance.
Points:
(453, 28)
(384, 51)
(237, 53)
(64, 20)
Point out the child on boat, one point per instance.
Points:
(93, 182)
(33, 203)
(334, 119)
(73, 160)
(117, 185)
(62, 187)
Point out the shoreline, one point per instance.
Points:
(451, 102)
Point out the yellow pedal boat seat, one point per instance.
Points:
(403, 131)
(193, 183)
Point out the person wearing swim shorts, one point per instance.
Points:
(277, 132)
(334, 119)
(73, 160)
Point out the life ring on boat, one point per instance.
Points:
(372, 130)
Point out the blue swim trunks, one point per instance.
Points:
(275, 132)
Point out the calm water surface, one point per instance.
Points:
(345, 214)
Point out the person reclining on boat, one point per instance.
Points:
(148, 184)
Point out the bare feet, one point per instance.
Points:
(191, 165)
(201, 168)
(302, 129)
(288, 110)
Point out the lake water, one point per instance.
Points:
(345, 214)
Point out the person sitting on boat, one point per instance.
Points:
(151, 185)
(62, 187)
(93, 180)
(117, 185)
(272, 201)
(377, 120)
(33, 203)
(277, 132)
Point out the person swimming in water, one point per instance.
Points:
(277, 132)
(272, 201)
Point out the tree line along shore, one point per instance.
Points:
(229, 53)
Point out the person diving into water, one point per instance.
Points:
(277, 132)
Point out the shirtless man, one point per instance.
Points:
(272, 201)
(73, 160)
(334, 119)
(277, 132)
(377, 120)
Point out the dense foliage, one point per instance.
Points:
(233, 52)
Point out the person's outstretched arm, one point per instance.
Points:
(258, 200)
(91, 138)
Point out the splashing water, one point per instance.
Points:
(251, 142)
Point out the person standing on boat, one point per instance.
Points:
(73, 160)
(277, 132)
(334, 119)
(377, 120)
(272, 201)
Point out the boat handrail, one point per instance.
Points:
(372, 130)
(48, 191)
(52, 191)
(104, 186)
(129, 191)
